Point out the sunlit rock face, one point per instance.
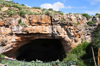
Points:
(69, 30)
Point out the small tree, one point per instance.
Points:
(22, 13)
(22, 4)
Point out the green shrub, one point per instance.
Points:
(22, 13)
(81, 63)
(90, 22)
(10, 12)
(1, 0)
(50, 9)
(29, 12)
(36, 7)
(62, 21)
(86, 15)
(3, 3)
(46, 12)
(0, 7)
(80, 48)
(1, 16)
(19, 21)
(23, 24)
(76, 24)
(79, 53)
(35, 13)
(70, 13)
(22, 4)
(17, 3)
(59, 12)
(2, 56)
(71, 57)
(96, 38)
(44, 9)
(36, 63)
(53, 13)
(16, 6)
(98, 15)
(8, 5)
(10, 1)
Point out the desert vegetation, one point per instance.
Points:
(22, 10)
(86, 15)
(90, 22)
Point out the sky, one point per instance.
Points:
(66, 6)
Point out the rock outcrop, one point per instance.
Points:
(70, 29)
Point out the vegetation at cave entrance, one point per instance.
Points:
(83, 52)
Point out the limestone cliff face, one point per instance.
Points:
(70, 29)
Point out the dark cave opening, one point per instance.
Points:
(46, 50)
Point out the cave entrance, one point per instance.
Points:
(45, 50)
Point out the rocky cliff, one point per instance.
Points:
(18, 26)
(71, 29)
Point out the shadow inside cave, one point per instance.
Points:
(46, 50)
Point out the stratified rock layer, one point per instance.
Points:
(71, 30)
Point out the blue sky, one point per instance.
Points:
(66, 6)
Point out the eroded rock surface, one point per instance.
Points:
(70, 29)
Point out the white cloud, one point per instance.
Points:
(46, 5)
(93, 12)
(8, 0)
(27, 5)
(68, 7)
(93, 2)
(99, 6)
(56, 6)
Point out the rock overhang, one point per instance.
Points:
(37, 26)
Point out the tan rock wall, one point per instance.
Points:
(39, 26)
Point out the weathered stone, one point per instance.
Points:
(1, 49)
(1, 23)
(10, 8)
(40, 27)
(38, 19)
(4, 8)
(3, 42)
(36, 10)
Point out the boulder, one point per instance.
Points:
(10, 8)
(4, 8)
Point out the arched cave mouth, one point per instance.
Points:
(46, 50)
